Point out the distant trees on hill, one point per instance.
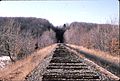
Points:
(18, 36)
(104, 37)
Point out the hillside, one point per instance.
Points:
(19, 70)
(104, 37)
(20, 36)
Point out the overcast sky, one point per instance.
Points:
(60, 12)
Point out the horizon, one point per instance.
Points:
(65, 12)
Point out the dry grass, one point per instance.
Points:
(21, 68)
(93, 64)
(103, 55)
(102, 70)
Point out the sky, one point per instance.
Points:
(60, 12)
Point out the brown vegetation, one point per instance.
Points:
(104, 37)
(95, 62)
(18, 70)
(103, 59)
(100, 54)
(19, 36)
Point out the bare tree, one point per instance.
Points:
(104, 37)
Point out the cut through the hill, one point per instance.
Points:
(59, 35)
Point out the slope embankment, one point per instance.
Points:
(107, 61)
(20, 69)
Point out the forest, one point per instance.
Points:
(103, 37)
(20, 36)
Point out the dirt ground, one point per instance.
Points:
(18, 70)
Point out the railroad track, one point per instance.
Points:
(67, 66)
